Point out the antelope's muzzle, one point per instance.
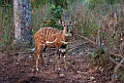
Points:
(67, 28)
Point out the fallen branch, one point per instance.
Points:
(52, 53)
(115, 62)
(19, 53)
(116, 68)
(88, 40)
(116, 55)
(75, 47)
(25, 53)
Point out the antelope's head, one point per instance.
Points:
(67, 23)
(67, 26)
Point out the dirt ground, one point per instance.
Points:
(20, 68)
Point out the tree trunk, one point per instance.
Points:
(22, 21)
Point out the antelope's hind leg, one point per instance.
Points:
(57, 60)
(39, 53)
(65, 65)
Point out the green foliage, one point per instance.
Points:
(91, 4)
(111, 1)
(5, 3)
(97, 57)
(6, 30)
(38, 3)
(121, 74)
(27, 45)
(62, 3)
(56, 11)
(90, 30)
(6, 39)
(51, 23)
(110, 41)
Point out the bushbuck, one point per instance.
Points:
(53, 38)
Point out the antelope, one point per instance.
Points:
(52, 38)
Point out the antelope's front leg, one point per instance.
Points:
(65, 66)
(62, 54)
(63, 51)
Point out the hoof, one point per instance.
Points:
(37, 69)
(62, 75)
(46, 65)
(59, 69)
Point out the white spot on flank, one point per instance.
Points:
(41, 37)
(64, 42)
(55, 34)
(51, 42)
(41, 44)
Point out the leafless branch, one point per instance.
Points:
(115, 69)
(88, 40)
(116, 55)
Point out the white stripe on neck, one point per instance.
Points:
(66, 34)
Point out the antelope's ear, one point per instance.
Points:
(72, 22)
(61, 22)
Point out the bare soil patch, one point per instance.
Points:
(21, 69)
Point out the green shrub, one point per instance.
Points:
(52, 23)
(56, 11)
(6, 27)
